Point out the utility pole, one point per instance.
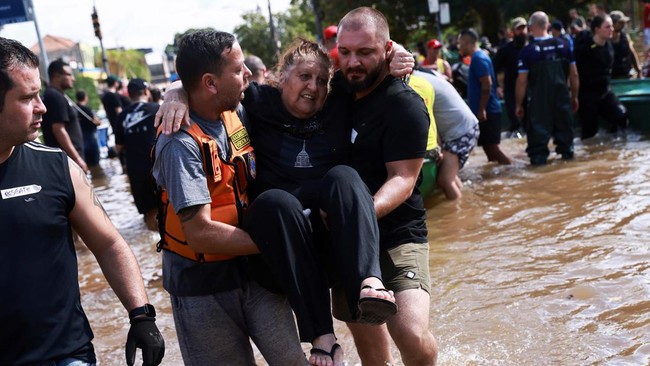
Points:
(29, 6)
(98, 34)
(318, 20)
(274, 39)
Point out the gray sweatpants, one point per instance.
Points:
(215, 329)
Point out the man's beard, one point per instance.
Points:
(355, 86)
(519, 40)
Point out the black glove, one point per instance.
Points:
(144, 334)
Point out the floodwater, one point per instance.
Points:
(534, 266)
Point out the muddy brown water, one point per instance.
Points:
(534, 266)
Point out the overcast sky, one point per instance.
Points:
(133, 23)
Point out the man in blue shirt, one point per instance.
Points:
(544, 66)
(482, 95)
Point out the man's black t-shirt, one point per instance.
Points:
(622, 57)
(506, 60)
(60, 110)
(294, 154)
(391, 124)
(124, 100)
(86, 124)
(136, 132)
(111, 102)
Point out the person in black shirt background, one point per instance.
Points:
(111, 101)
(60, 123)
(625, 57)
(135, 135)
(506, 61)
(88, 123)
(594, 58)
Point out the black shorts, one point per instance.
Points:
(490, 130)
(143, 191)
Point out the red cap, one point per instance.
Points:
(434, 43)
(330, 32)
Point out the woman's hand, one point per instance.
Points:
(401, 61)
(174, 111)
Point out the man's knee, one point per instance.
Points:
(416, 344)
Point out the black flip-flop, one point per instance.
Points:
(318, 351)
(375, 311)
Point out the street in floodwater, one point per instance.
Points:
(534, 266)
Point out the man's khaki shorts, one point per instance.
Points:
(403, 267)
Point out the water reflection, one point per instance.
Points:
(545, 265)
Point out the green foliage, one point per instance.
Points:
(88, 85)
(128, 64)
(409, 20)
(296, 22)
(254, 36)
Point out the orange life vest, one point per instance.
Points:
(227, 181)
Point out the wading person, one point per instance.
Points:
(545, 65)
(482, 95)
(44, 196)
(390, 125)
(594, 59)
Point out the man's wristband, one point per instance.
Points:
(146, 310)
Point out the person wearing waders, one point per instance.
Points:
(544, 66)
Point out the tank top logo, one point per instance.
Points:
(19, 191)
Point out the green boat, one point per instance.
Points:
(635, 96)
(429, 175)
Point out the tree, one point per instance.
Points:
(254, 36)
(89, 86)
(409, 20)
(126, 63)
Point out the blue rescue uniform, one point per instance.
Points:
(547, 60)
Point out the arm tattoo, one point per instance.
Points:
(188, 213)
(93, 196)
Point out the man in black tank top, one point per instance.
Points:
(44, 195)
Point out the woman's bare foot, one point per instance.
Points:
(326, 352)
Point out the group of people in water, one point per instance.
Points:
(552, 75)
(295, 197)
